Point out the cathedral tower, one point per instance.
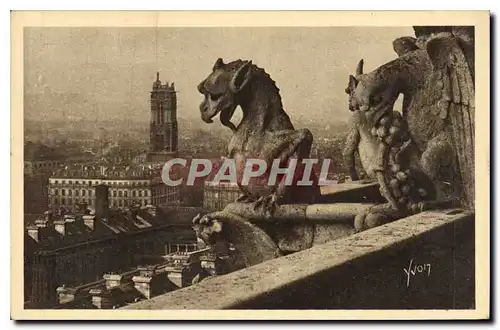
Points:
(163, 141)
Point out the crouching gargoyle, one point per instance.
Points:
(265, 133)
(423, 158)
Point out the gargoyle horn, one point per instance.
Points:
(359, 68)
(218, 64)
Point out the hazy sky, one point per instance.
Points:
(113, 68)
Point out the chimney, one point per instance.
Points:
(33, 232)
(101, 201)
(152, 210)
(41, 223)
(89, 221)
(48, 216)
(45, 221)
(60, 226)
(81, 207)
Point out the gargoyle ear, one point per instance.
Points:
(241, 77)
(218, 64)
(352, 84)
(359, 68)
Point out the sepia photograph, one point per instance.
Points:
(217, 162)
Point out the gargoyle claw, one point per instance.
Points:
(267, 204)
(244, 199)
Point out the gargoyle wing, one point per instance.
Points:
(457, 104)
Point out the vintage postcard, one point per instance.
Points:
(250, 165)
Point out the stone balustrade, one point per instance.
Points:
(363, 270)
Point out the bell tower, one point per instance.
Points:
(163, 142)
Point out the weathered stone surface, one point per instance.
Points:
(265, 134)
(431, 142)
(277, 280)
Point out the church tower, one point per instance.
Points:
(163, 143)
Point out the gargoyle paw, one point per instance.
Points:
(267, 204)
(244, 198)
(376, 216)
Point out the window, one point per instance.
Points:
(90, 193)
(56, 182)
(63, 182)
(83, 192)
(77, 182)
(125, 193)
(133, 193)
(77, 193)
(56, 192)
(63, 193)
(114, 193)
(63, 201)
(140, 193)
(120, 194)
(90, 183)
(70, 192)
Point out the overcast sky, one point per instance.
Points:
(113, 68)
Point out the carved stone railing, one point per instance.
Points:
(363, 270)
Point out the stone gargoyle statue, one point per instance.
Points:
(266, 133)
(422, 157)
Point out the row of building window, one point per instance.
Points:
(73, 192)
(116, 203)
(89, 183)
(115, 193)
(124, 193)
(41, 164)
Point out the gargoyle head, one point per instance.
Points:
(221, 89)
(207, 229)
(371, 92)
(351, 87)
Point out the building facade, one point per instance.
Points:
(163, 124)
(79, 248)
(128, 185)
(217, 195)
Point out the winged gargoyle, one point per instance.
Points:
(265, 133)
(424, 158)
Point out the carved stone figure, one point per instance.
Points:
(265, 133)
(426, 158)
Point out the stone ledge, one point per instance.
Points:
(271, 278)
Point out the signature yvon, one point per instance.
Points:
(416, 269)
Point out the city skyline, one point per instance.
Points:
(107, 73)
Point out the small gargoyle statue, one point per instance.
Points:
(422, 158)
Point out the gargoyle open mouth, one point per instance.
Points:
(225, 116)
(207, 116)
